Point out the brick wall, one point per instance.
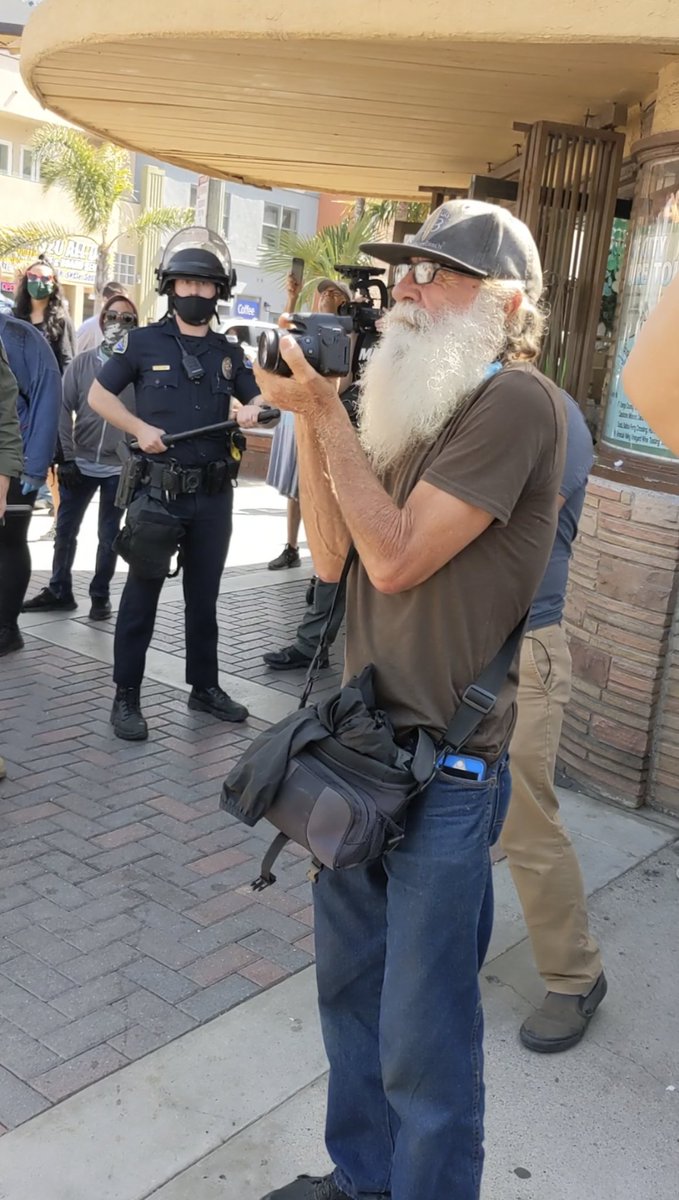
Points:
(620, 725)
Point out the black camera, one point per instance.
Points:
(323, 339)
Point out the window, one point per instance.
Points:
(277, 219)
(226, 213)
(125, 269)
(5, 158)
(30, 164)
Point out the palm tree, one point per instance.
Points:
(320, 253)
(388, 211)
(96, 178)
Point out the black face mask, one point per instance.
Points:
(195, 310)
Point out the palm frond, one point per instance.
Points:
(388, 211)
(160, 220)
(95, 177)
(320, 252)
(33, 238)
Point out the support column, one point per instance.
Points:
(621, 732)
(152, 187)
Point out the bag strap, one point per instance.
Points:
(340, 589)
(479, 699)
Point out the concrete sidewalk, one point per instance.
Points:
(236, 1107)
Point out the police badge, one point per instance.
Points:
(121, 346)
(227, 367)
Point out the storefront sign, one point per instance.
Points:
(74, 260)
(247, 309)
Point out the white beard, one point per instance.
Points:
(421, 370)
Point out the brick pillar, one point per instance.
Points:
(621, 738)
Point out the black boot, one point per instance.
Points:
(127, 718)
(291, 659)
(10, 639)
(288, 557)
(100, 609)
(48, 601)
(216, 702)
(309, 1187)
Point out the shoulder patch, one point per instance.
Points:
(121, 346)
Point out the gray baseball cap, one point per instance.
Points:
(477, 239)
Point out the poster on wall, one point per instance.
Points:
(653, 262)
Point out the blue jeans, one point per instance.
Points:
(73, 504)
(399, 945)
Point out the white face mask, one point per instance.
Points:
(421, 370)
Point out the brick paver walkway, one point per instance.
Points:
(126, 916)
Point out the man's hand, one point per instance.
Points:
(293, 288)
(247, 415)
(149, 438)
(4, 488)
(306, 392)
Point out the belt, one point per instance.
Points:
(175, 480)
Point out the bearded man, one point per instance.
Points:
(449, 494)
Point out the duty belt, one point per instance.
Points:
(171, 479)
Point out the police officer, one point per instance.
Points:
(184, 376)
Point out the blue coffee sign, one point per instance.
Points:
(248, 309)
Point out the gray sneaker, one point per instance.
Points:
(561, 1021)
(308, 1187)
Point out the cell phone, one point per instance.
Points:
(462, 766)
(297, 271)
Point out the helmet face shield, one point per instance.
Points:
(196, 253)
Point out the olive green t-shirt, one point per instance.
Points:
(503, 452)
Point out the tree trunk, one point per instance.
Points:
(101, 272)
(359, 207)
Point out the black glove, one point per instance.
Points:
(69, 475)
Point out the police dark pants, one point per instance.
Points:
(15, 557)
(311, 627)
(73, 504)
(207, 521)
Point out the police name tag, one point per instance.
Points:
(162, 367)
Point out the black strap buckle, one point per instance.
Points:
(479, 699)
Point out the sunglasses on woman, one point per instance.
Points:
(119, 318)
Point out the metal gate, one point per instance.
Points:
(567, 196)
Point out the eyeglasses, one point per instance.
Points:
(119, 318)
(39, 278)
(422, 272)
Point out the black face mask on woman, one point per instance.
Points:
(195, 310)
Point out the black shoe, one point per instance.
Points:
(288, 557)
(127, 718)
(561, 1021)
(291, 659)
(47, 601)
(101, 609)
(216, 702)
(309, 1187)
(10, 640)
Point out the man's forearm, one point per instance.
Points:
(376, 525)
(323, 520)
(112, 409)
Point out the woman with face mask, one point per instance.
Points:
(92, 462)
(39, 300)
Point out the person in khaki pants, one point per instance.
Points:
(542, 860)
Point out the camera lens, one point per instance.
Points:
(267, 350)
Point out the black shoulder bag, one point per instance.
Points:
(346, 807)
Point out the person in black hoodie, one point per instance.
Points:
(91, 463)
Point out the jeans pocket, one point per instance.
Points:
(501, 797)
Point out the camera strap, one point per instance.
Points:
(340, 589)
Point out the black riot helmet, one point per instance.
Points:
(196, 253)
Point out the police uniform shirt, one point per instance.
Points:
(151, 360)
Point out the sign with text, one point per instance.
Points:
(247, 309)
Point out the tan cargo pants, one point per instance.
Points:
(541, 858)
